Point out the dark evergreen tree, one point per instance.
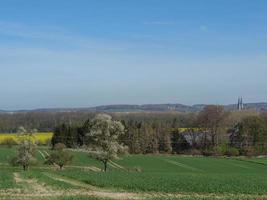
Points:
(179, 143)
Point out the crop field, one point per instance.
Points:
(136, 177)
(40, 138)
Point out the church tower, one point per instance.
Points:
(240, 104)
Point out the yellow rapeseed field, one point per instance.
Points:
(38, 138)
(183, 130)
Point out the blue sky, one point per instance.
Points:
(78, 53)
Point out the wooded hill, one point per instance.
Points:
(144, 108)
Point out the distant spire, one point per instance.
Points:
(240, 105)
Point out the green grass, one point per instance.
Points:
(6, 180)
(82, 159)
(180, 164)
(6, 153)
(262, 161)
(173, 182)
(159, 173)
(181, 174)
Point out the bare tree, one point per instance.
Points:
(211, 118)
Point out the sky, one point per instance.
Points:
(82, 53)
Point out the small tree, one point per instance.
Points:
(103, 136)
(25, 155)
(59, 156)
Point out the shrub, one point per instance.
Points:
(220, 150)
(59, 156)
(207, 152)
(249, 151)
(193, 152)
(261, 149)
(225, 150)
(59, 146)
(231, 151)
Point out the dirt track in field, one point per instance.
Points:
(32, 189)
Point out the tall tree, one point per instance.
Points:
(104, 136)
(251, 131)
(211, 118)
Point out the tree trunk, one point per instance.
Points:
(105, 165)
(205, 140)
(25, 167)
(213, 139)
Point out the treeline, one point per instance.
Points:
(43, 121)
(212, 131)
(47, 121)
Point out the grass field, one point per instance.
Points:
(158, 177)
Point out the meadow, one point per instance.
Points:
(136, 177)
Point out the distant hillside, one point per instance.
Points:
(144, 108)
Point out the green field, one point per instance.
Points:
(136, 177)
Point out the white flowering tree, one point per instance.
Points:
(103, 138)
(25, 155)
(26, 150)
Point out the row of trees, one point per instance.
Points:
(203, 132)
(105, 138)
(47, 121)
(26, 156)
(102, 141)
